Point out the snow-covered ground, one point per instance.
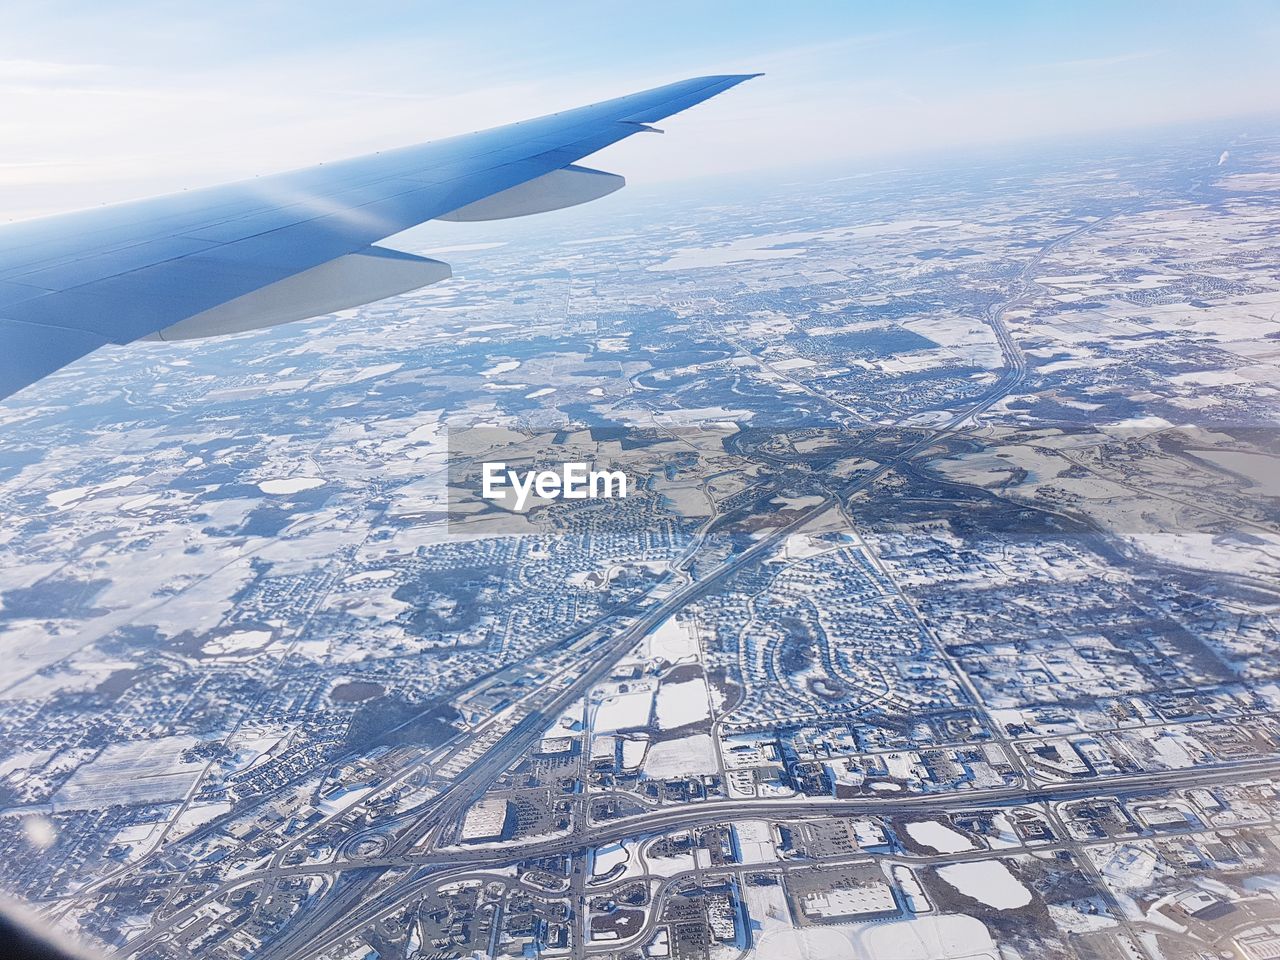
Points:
(933, 937)
(736, 251)
(138, 772)
(1005, 835)
(605, 858)
(505, 366)
(668, 866)
(240, 642)
(987, 881)
(61, 498)
(625, 709)
(290, 485)
(197, 815)
(688, 755)
(770, 913)
(754, 840)
(672, 640)
(938, 836)
(682, 703)
(633, 750)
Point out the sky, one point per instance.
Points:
(101, 102)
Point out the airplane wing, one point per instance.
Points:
(293, 245)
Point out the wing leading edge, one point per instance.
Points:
(293, 245)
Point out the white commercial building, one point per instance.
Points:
(871, 899)
(486, 820)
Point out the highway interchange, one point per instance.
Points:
(421, 852)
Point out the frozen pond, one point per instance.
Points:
(504, 366)
(987, 881)
(938, 836)
(290, 485)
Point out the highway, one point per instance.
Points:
(348, 909)
(424, 844)
(443, 813)
(692, 815)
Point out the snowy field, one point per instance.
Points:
(147, 771)
(672, 640)
(680, 704)
(944, 937)
(625, 710)
(684, 757)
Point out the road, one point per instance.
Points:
(347, 909)
(430, 868)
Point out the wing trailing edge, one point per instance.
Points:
(30, 352)
(566, 187)
(340, 284)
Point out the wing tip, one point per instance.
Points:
(727, 79)
(677, 97)
(714, 85)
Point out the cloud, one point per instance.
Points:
(42, 71)
(767, 59)
(1093, 63)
